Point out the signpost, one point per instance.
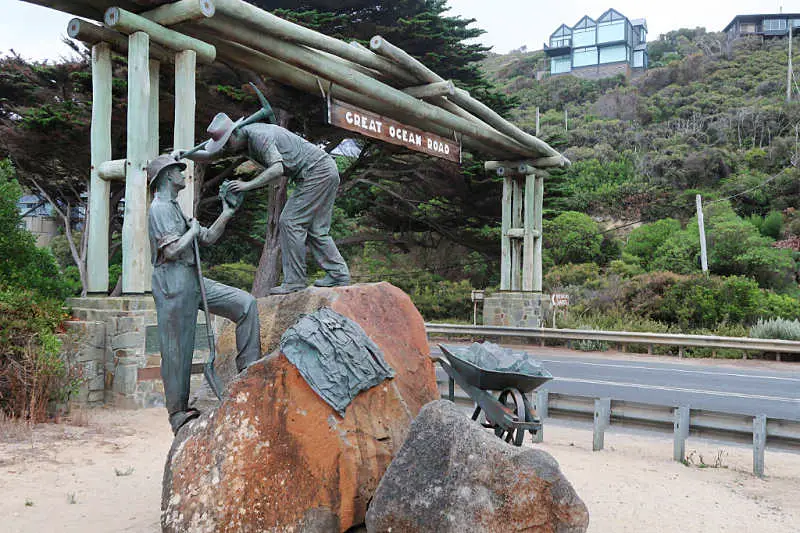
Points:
(355, 119)
(558, 299)
(477, 296)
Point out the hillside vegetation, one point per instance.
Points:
(704, 120)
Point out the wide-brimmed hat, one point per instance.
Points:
(158, 164)
(220, 130)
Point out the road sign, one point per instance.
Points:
(353, 118)
(559, 299)
(477, 296)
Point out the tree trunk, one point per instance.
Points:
(269, 266)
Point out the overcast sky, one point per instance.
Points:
(35, 32)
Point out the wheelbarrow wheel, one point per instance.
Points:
(512, 400)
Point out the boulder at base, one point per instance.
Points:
(451, 475)
(274, 456)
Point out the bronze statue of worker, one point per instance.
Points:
(176, 288)
(306, 218)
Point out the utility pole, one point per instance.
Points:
(789, 73)
(701, 225)
(537, 120)
(566, 120)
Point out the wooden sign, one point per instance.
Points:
(355, 119)
(558, 299)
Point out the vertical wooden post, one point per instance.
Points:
(185, 100)
(537, 120)
(505, 240)
(759, 444)
(152, 153)
(134, 227)
(538, 206)
(681, 434)
(602, 419)
(99, 189)
(517, 204)
(528, 245)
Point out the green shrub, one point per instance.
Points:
(645, 240)
(572, 237)
(571, 275)
(32, 372)
(240, 275)
(22, 264)
(776, 328)
(703, 302)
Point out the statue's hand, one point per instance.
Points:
(178, 154)
(237, 186)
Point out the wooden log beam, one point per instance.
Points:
(99, 190)
(91, 34)
(432, 90)
(128, 23)
(251, 15)
(461, 97)
(307, 82)
(180, 11)
(113, 170)
(316, 63)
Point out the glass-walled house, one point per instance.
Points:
(764, 25)
(610, 45)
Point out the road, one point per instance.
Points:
(737, 388)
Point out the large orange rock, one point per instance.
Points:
(275, 457)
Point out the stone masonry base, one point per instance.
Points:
(516, 309)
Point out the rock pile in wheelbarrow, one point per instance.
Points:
(273, 456)
(452, 476)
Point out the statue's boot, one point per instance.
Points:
(287, 288)
(179, 419)
(332, 281)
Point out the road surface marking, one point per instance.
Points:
(679, 389)
(670, 369)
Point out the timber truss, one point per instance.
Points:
(381, 78)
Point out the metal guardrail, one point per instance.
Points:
(621, 337)
(682, 420)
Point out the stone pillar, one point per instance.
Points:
(134, 228)
(99, 189)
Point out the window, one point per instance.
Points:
(774, 24)
(559, 65)
(583, 37)
(583, 57)
(612, 54)
(558, 42)
(611, 32)
(638, 58)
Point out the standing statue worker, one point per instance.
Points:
(176, 288)
(306, 218)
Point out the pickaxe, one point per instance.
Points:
(265, 113)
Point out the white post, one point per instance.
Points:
(152, 153)
(99, 189)
(185, 67)
(528, 244)
(701, 225)
(537, 121)
(517, 204)
(789, 75)
(538, 207)
(134, 227)
(505, 240)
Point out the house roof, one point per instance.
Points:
(639, 22)
(760, 17)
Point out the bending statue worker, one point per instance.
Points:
(176, 288)
(306, 219)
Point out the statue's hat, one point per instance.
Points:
(158, 164)
(220, 129)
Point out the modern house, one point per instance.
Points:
(613, 44)
(765, 25)
(38, 217)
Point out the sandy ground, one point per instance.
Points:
(105, 476)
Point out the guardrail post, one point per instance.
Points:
(602, 418)
(681, 433)
(759, 444)
(540, 406)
